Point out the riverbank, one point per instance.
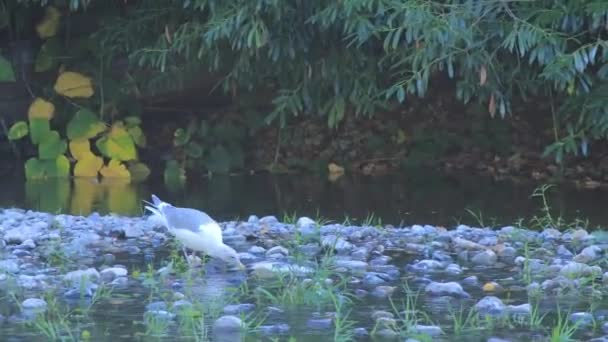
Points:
(99, 277)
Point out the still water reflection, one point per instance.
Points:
(416, 197)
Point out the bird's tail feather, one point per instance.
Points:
(156, 208)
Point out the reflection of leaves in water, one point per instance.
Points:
(49, 195)
(85, 193)
(121, 196)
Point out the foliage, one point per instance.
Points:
(67, 105)
(216, 147)
(337, 58)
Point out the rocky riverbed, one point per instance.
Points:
(100, 277)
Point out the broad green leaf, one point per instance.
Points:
(39, 128)
(60, 167)
(72, 84)
(218, 160)
(84, 125)
(18, 130)
(117, 144)
(34, 169)
(194, 150)
(139, 171)
(51, 146)
(115, 169)
(47, 57)
(88, 166)
(137, 135)
(41, 109)
(7, 74)
(132, 121)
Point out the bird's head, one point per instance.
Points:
(230, 256)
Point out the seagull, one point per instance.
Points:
(195, 230)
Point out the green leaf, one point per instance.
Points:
(132, 121)
(84, 125)
(18, 130)
(52, 146)
(47, 58)
(194, 150)
(180, 137)
(117, 144)
(59, 168)
(218, 160)
(34, 169)
(39, 128)
(7, 74)
(139, 171)
(174, 175)
(137, 135)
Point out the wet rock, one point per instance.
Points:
(377, 314)
(267, 269)
(446, 289)
(75, 277)
(337, 243)
(442, 256)
(582, 319)
(270, 220)
(133, 232)
(588, 254)
(277, 250)
(485, 258)
(360, 332)
(257, 250)
(86, 290)
(160, 315)
(360, 253)
(550, 234)
(36, 304)
(605, 328)
(383, 291)
(578, 270)
(9, 266)
(120, 282)
(112, 273)
(429, 330)
(305, 222)
(497, 339)
(237, 309)
(386, 333)
(156, 306)
(28, 244)
(372, 279)
(253, 219)
(563, 252)
(27, 232)
(490, 305)
(519, 310)
(319, 323)
(426, 266)
(274, 329)
(227, 324)
(471, 281)
(453, 269)
(353, 265)
(181, 304)
(381, 260)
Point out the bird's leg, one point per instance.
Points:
(186, 254)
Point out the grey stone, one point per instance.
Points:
(75, 277)
(133, 231)
(274, 329)
(9, 266)
(490, 305)
(227, 324)
(471, 281)
(564, 252)
(446, 289)
(588, 254)
(277, 250)
(28, 244)
(34, 304)
(577, 270)
(161, 315)
(20, 234)
(519, 310)
(430, 330)
(156, 306)
(319, 323)
(426, 266)
(181, 304)
(383, 291)
(353, 265)
(120, 282)
(372, 279)
(257, 250)
(485, 258)
(453, 269)
(237, 309)
(305, 222)
(336, 242)
(360, 332)
(582, 318)
(268, 220)
(112, 273)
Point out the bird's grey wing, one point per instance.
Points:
(186, 218)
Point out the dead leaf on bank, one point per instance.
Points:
(335, 171)
(483, 75)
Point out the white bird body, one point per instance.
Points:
(194, 229)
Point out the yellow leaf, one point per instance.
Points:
(81, 149)
(115, 169)
(41, 109)
(88, 167)
(73, 84)
(50, 23)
